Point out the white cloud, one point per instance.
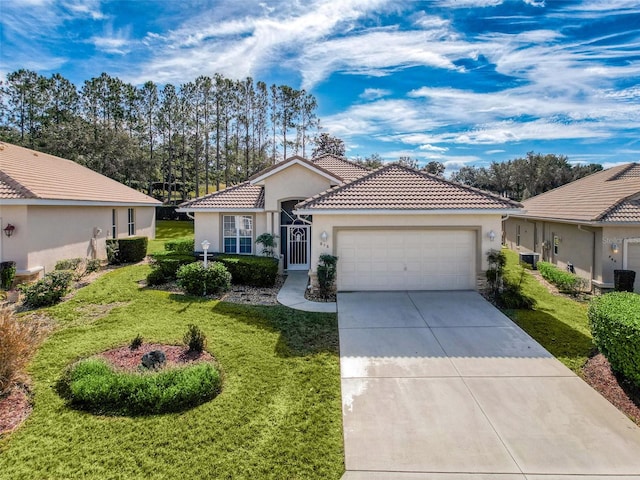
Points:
(374, 93)
(432, 148)
(118, 42)
(493, 152)
(246, 46)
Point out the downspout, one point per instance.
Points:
(593, 252)
(189, 215)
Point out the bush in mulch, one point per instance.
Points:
(96, 386)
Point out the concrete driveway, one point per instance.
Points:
(441, 385)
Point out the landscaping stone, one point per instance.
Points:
(154, 359)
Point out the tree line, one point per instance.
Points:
(526, 177)
(169, 140)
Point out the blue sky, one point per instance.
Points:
(464, 82)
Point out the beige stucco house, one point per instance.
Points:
(393, 228)
(59, 209)
(592, 224)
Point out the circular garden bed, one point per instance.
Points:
(116, 382)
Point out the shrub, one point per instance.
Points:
(250, 270)
(268, 242)
(7, 274)
(136, 343)
(93, 265)
(327, 273)
(195, 339)
(615, 325)
(69, 264)
(497, 261)
(566, 282)
(156, 277)
(180, 247)
(512, 298)
(113, 251)
(169, 262)
(126, 250)
(18, 342)
(197, 280)
(132, 249)
(79, 266)
(94, 386)
(48, 290)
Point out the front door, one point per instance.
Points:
(298, 247)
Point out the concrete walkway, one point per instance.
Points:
(292, 294)
(441, 385)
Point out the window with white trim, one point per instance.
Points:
(237, 234)
(131, 221)
(114, 223)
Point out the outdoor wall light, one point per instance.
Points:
(9, 229)
(324, 236)
(205, 246)
(614, 247)
(491, 235)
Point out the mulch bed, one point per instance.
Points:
(619, 391)
(14, 409)
(123, 358)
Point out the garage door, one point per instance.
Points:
(633, 262)
(406, 260)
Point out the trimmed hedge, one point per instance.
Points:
(180, 247)
(126, 250)
(615, 325)
(169, 262)
(94, 386)
(250, 270)
(194, 279)
(565, 281)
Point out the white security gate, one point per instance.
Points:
(406, 260)
(298, 247)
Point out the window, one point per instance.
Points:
(131, 221)
(556, 244)
(237, 234)
(517, 235)
(114, 223)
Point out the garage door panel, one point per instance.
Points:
(406, 260)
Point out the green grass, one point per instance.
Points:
(558, 323)
(278, 415)
(169, 230)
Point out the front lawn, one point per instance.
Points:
(169, 230)
(278, 416)
(558, 323)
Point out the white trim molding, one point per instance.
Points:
(625, 250)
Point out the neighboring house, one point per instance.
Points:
(592, 224)
(393, 228)
(60, 209)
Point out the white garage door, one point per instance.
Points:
(633, 262)
(406, 260)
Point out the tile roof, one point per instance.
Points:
(626, 211)
(29, 175)
(602, 196)
(241, 196)
(395, 187)
(342, 167)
